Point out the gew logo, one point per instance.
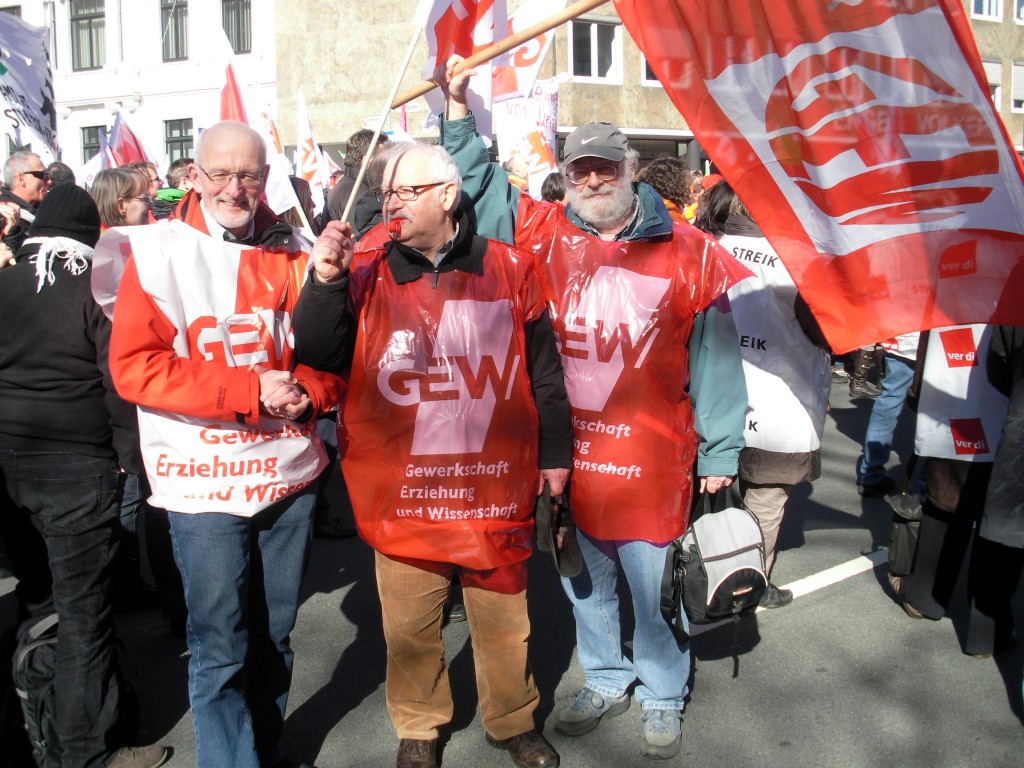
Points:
(959, 346)
(242, 340)
(449, 377)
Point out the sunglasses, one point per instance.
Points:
(41, 175)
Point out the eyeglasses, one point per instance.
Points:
(223, 178)
(604, 171)
(41, 175)
(405, 194)
(145, 198)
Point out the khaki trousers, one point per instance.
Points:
(767, 503)
(418, 695)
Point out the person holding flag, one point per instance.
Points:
(455, 420)
(629, 292)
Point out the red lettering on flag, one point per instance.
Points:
(958, 260)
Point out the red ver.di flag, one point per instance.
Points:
(463, 27)
(862, 137)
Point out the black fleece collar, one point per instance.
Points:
(467, 255)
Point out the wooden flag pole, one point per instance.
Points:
(499, 48)
(383, 119)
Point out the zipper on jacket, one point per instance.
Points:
(436, 273)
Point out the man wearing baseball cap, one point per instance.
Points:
(636, 306)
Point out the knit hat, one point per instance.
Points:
(67, 211)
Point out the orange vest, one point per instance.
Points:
(438, 435)
(623, 312)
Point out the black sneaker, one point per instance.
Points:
(882, 487)
(774, 597)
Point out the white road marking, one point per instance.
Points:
(816, 581)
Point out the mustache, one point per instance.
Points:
(587, 192)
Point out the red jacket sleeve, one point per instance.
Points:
(147, 370)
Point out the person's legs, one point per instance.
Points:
(662, 666)
(212, 551)
(767, 503)
(899, 373)
(500, 628)
(941, 545)
(418, 696)
(993, 578)
(74, 499)
(283, 535)
(595, 606)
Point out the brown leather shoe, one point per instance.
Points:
(530, 750)
(417, 753)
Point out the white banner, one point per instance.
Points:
(26, 87)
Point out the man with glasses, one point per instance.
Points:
(456, 416)
(202, 343)
(631, 294)
(26, 183)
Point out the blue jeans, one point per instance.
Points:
(242, 578)
(899, 373)
(659, 662)
(59, 515)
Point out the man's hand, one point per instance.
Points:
(9, 215)
(715, 483)
(454, 86)
(332, 252)
(281, 396)
(556, 479)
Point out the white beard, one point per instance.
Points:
(605, 208)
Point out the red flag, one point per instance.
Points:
(464, 27)
(863, 140)
(123, 146)
(231, 104)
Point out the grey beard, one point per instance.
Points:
(605, 213)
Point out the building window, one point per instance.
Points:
(595, 51)
(647, 76)
(994, 76)
(91, 141)
(174, 29)
(235, 16)
(14, 10)
(88, 34)
(178, 137)
(1018, 12)
(990, 10)
(1017, 104)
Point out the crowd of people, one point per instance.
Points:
(624, 344)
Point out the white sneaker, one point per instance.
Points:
(662, 737)
(586, 711)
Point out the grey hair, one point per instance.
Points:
(17, 163)
(439, 163)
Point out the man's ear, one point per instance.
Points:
(449, 197)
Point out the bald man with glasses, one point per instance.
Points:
(26, 183)
(456, 416)
(202, 344)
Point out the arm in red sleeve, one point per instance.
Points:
(147, 370)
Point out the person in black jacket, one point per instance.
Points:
(63, 441)
(26, 183)
(443, 313)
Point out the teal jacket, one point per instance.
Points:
(717, 388)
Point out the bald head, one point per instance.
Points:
(230, 174)
(220, 136)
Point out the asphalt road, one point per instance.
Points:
(842, 677)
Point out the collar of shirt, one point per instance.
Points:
(466, 255)
(217, 231)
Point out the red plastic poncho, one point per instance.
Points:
(439, 432)
(623, 312)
